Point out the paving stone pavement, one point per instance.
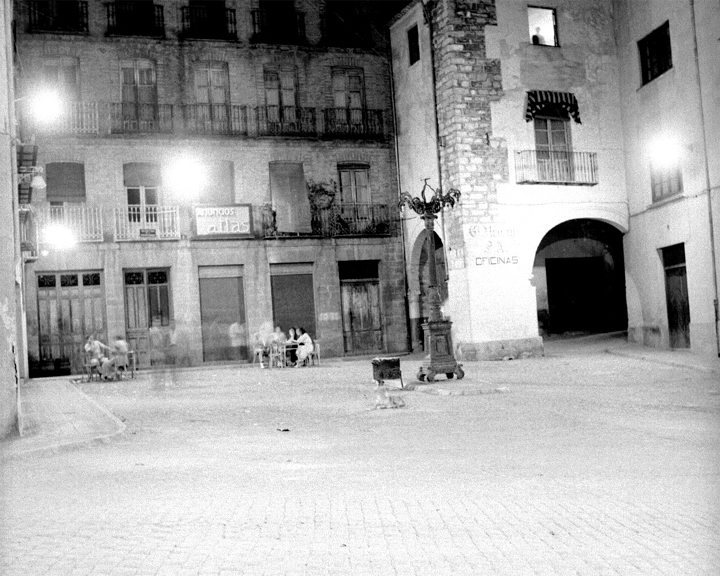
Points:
(579, 463)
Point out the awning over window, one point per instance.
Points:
(539, 100)
(141, 174)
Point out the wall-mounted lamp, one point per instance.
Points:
(33, 177)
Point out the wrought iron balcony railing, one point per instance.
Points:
(146, 223)
(278, 28)
(58, 16)
(84, 223)
(134, 118)
(75, 118)
(215, 119)
(129, 18)
(286, 121)
(208, 22)
(353, 219)
(353, 123)
(545, 167)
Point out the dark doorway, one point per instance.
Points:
(293, 302)
(579, 277)
(575, 294)
(222, 315)
(676, 294)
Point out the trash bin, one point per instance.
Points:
(386, 369)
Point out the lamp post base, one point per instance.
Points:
(438, 342)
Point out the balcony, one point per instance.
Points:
(128, 18)
(58, 16)
(215, 119)
(148, 222)
(353, 123)
(278, 27)
(355, 219)
(75, 118)
(286, 121)
(545, 167)
(84, 222)
(208, 23)
(134, 118)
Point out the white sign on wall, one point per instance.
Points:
(494, 245)
(223, 221)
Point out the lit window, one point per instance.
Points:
(655, 53)
(542, 26)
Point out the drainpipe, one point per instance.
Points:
(708, 188)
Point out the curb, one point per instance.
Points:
(69, 443)
(650, 358)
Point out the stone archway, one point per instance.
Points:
(579, 277)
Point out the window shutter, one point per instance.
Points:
(65, 182)
(289, 197)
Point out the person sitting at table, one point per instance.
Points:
(305, 347)
(94, 350)
(118, 359)
(278, 336)
(291, 346)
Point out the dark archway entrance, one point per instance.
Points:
(579, 276)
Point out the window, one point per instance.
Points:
(542, 26)
(65, 182)
(655, 53)
(142, 181)
(665, 179)
(139, 95)
(61, 75)
(346, 24)
(552, 145)
(212, 96)
(354, 183)
(280, 94)
(413, 44)
(147, 298)
(348, 96)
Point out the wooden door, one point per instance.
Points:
(70, 307)
(362, 324)
(678, 306)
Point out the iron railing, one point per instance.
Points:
(84, 223)
(278, 28)
(129, 18)
(59, 16)
(219, 119)
(545, 167)
(148, 222)
(286, 121)
(135, 118)
(353, 123)
(352, 219)
(207, 22)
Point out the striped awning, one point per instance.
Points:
(538, 100)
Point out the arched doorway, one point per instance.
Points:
(579, 276)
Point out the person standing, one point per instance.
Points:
(236, 332)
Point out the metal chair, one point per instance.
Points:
(315, 354)
(90, 369)
(277, 356)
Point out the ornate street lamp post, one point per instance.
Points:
(438, 341)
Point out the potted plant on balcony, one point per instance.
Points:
(321, 194)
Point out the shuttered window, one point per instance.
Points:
(65, 181)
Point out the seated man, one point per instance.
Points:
(305, 347)
(118, 359)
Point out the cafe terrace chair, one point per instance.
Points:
(277, 355)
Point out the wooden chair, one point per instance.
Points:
(258, 354)
(121, 370)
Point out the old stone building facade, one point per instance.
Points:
(538, 114)
(215, 163)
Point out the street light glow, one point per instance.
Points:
(186, 177)
(59, 236)
(664, 151)
(46, 106)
